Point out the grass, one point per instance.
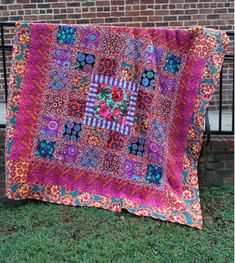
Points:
(35, 231)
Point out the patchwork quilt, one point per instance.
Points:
(110, 116)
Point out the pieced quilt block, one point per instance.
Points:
(72, 130)
(67, 153)
(62, 58)
(50, 126)
(149, 78)
(111, 104)
(45, 148)
(172, 63)
(66, 35)
(85, 62)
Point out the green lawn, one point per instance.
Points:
(34, 231)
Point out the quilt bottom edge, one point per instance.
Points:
(86, 199)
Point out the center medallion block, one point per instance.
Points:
(111, 104)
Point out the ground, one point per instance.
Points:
(35, 231)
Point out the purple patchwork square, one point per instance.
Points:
(155, 152)
(134, 170)
(68, 153)
(62, 58)
(50, 126)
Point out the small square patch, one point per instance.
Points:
(128, 71)
(112, 43)
(62, 58)
(167, 83)
(45, 148)
(90, 158)
(141, 123)
(134, 170)
(89, 38)
(94, 137)
(115, 140)
(149, 78)
(68, 153)
(55, 102)
(111, 162)
(66, 35)
(72, 130)
(172, 63)
(155, 152)
(76, 108)
(154, 174)
(50, 126)
(144, 100)
(85, 62)
(111, 104)
(58, 79)
(107, 67)
(164, 109)
(136, 146)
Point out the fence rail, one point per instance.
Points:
(208, 131)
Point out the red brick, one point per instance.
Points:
(218, 145)
(103, 14)
(111, 20)
(147, 12)
(132, 2)
(155, 18)
(126, 19)
(162, 13)
(170, 18)
(88, 15)
(176, 12)
(183, 18)
(58, 5)
(117, 2)
(133, 13)
(140, 19)
(229, 146)
(102, 3)
(176, 24)
(97, 20)
(118, 14)
(192, 11)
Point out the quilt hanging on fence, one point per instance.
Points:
(110, 116)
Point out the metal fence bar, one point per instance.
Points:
(5, 48)
(220, 99)
(4, 62)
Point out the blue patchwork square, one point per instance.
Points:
(45, 148)
(154, 174)
(58, 80)
(72, 130)
(136, 146)
(172, 63)
(66, 35)
(149, 78)
(85, 62)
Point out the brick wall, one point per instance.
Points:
(147, 13)
(216, 164)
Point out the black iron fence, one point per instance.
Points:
(220, 130)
